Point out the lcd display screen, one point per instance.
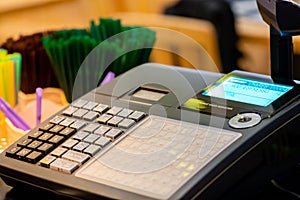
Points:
(245, 90)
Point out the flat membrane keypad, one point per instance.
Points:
(68, 140)
(156, 157)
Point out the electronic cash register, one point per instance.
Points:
(161, 132)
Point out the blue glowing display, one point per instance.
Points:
(247, 91)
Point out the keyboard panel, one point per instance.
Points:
(158, 156)
(127, 149)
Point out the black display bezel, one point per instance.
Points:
(240, 107)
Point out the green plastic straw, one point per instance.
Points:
(67, 49)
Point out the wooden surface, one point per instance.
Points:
(255, 45)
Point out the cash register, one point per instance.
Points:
(161, 132)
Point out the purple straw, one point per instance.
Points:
(15, 119)
(38, 92)
(109, 76)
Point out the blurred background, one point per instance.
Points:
(22, 17)
(49, 39)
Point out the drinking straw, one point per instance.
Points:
(15, 119)
(36, 67)
(10, 70)
(67, 50)
(3, 52)
(39, 93)
(2, 85)
(8, 81)
(17, 58)
(110, 76)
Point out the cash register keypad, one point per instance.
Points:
(68, 140)
(155, 157)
